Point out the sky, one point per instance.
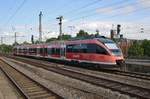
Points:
(21, 16)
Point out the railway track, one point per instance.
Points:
(117, 72)
(28, 87)
(127, 73)
(132, 74)
(131, 90)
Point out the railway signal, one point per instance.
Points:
(32, 39)
(60, 26)
(118, 29)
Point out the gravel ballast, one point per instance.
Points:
(67, 87)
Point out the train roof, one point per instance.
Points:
(102, 39)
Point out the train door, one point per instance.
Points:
(63, 51)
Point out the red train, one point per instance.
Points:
(100, 50)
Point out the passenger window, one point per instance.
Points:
(93, 48)
(53, 51)
(41, 50)
(49, 51)
(69, 48)
(101, 50)
(56, 51)
(45, 50)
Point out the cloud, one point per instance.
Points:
(129, 30)
(50, 35)
(108, 10)
(144, 3)
(117, 9)
(93, 25)
(64, 20)
(128, 9)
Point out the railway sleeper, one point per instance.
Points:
(37, 92)
(40, 96)
(32, 88)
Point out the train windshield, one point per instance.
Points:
(110, 44)
(114, 49)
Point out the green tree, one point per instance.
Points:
(50, 39)
(136, 50)
(82, 33)
(16, 43)
(65, 37)
(6, 48)
(25, 42)
(146, 47)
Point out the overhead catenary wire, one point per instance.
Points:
(83, 7)
(90, 4)
(118, 14)
(103, 6)
(8, 10)
(114, 9)
(16, 11)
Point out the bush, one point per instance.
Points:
(5, 48)
(136, 50)
(146, 46)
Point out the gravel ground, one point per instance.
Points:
(6, 89)
(67, 87)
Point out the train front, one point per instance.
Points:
(116, 53)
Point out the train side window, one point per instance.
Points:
(83, 48)
(76, 48)
(34, 50)
(41, 50)
(53, 51)
(101, 50)
(69, 48)
(49, 51)
(38, 50)
(57, 51)
(93, 48)
(45, 50)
